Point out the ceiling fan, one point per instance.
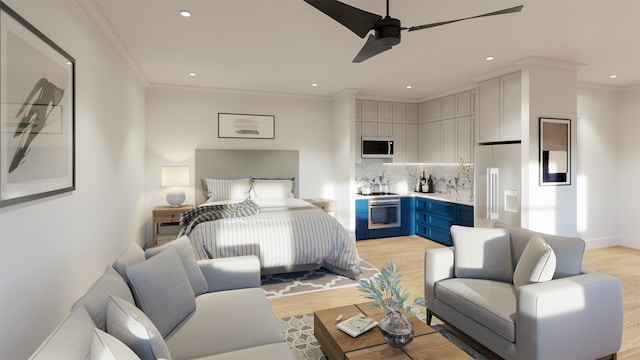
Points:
(387, 29)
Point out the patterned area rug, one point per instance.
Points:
(303, 282)
(299, 333)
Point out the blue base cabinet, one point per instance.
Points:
(362, 219)
(433, 219)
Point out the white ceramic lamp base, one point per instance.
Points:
(175, 198)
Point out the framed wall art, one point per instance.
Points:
(37, 113)
(555, 151)
(246, 126)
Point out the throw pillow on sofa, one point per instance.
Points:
(188, 258)
(537, 263)
(162, 290)
(482, 253)
(130, 325)
(107, 347)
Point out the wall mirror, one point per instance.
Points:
(555, 151)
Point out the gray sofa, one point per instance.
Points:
(163, 304)
(523, 294)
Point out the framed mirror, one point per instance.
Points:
(555, 151)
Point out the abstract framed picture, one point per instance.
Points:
(37, 113)
(246, 126)
(555, 151)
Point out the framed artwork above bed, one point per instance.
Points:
(246, 126)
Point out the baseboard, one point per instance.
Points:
(608, 242)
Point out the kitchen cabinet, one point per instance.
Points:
(447, 107)
(411, 148)
(463, 104)
(407, 220)
(399, 114)
(369, 128)
(369, 111)
(464, 139)
(448, 141)
(385, 111)
(412, 113)
(362, 219)
(399, 143)
(433, 110)
(422, 142)
(433, 219)
(499, 109)
(433, 143)
(358, 142)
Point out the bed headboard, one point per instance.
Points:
(233, 164)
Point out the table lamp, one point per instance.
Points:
(175, 176)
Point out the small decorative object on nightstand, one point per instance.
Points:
(166, 221)
(328, 205)
(175, 176)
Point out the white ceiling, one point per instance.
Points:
(284, 46)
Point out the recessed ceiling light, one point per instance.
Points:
(613, 76)
(409, 86)
(192, 74)
(314, 84)
(185, 13)
(489, 58)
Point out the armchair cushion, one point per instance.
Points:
(482, 253)
(537, 263)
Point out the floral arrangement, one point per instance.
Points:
(386, 291)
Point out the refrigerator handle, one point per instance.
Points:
(492, 193)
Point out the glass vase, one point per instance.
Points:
(397, 330)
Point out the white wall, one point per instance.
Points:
(344, 115)
(52, 249)
(179, 120)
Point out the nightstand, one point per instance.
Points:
(328, 205)
(166, 221)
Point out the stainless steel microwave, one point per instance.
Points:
(377, 147)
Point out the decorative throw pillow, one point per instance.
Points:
(132, 256)
(537, 263)
(188, 258)
(272, 188)
(226, 189)
(107, 347)
(131, 326)
(482, 253)
(162, 289)
(70, 340)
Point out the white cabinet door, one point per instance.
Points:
(433, 110)
(412, 113)
(474, 101)
(463, 104)
(369, 129)
(411, 150)
(448, 107)
(422, 113)
(464, 139)
(385, 129)
(448, 141)
(358, 142)
(488, 128)
(399, 143)
(385, 111)
(399, 113)
(358, 110)
(433, 142)
(510, 101)
(369, 111)
(422, 142)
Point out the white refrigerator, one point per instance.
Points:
(497, 184)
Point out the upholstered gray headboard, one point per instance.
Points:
(234, 164)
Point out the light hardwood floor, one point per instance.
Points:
(408, 254)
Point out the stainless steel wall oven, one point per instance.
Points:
(384, 213)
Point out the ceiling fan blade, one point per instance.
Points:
(499, 12)
(370, 49)
(354, 19)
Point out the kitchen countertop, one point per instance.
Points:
(452, 198)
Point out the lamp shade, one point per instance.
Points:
(175, 176)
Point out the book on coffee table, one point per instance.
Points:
(357, 325)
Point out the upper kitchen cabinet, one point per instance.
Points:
(463, 104)
(448, 107)
(412, 113)
(369, 111)
(385, 111)
(433, 110)
(399, 114)
(499, 114)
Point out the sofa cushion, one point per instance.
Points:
(568, 250)
(225, 321)
(482, 253)
(537, 263)
(490, 303)
(277, 351)
(131, 326)
(188, 258)
(132, 256)
(162, 290)
(71, 340)
(95, 299)
(107, 347)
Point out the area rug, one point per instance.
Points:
(304, 282)
(299, 333)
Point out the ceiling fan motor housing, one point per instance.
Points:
(388, 31)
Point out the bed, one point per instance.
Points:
(249, 206)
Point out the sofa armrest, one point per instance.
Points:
(231, 273)
(438, 265)
(578, 317)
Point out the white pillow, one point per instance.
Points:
(107, 347)
(131, 326)
(272, 188)
(162, 290)
(226, 189)
(537, 263)
(187, 256)
(482, 253)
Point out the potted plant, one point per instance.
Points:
(388, 294)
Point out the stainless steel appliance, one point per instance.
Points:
(377, 147)
(384, 213)
(497, 181)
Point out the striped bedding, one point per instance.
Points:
(284, 234)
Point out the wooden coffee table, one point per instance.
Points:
(427, 343)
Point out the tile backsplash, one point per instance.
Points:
(402, 178)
